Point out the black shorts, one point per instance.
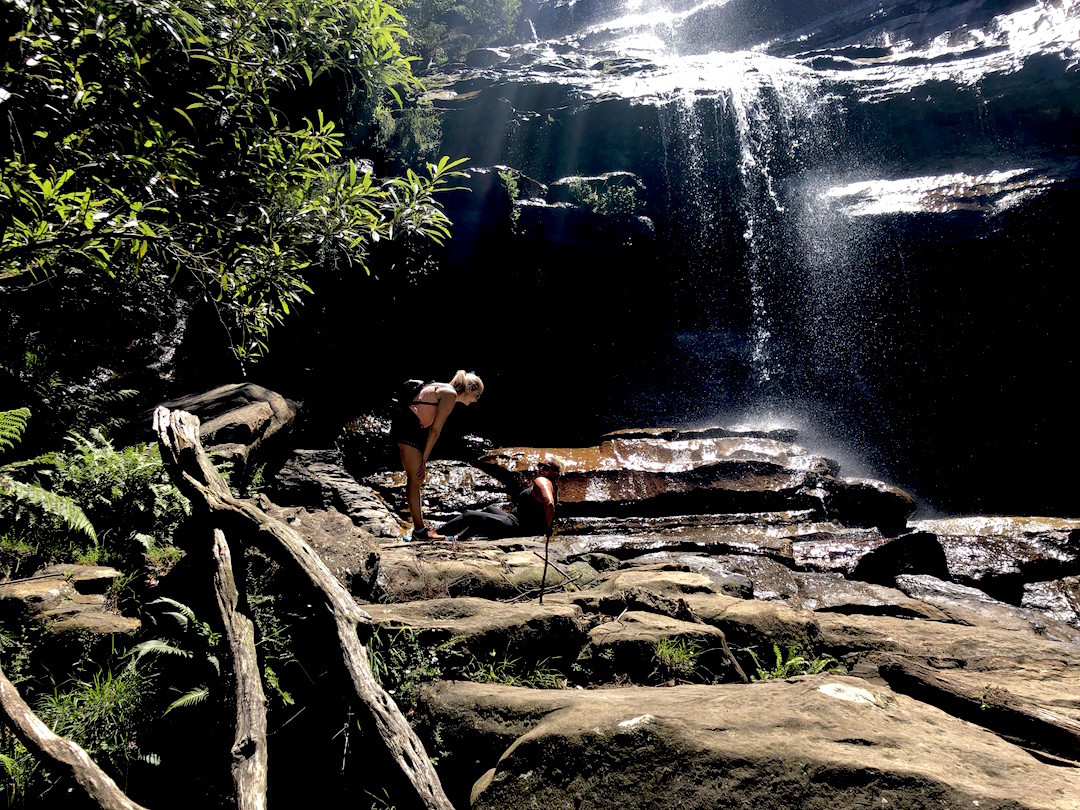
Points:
(406, 429)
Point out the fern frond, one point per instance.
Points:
(12, 427)
(195, 696)
(59, 506)
(44, 460)
(157, 646)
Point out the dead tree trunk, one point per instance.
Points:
(249, 745)
(62, 753)
(195, 476)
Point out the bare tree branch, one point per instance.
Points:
(195, 476)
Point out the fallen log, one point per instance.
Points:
(193, 473)
(67, 757)
(249, 745)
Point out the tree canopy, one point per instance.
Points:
(183, 139)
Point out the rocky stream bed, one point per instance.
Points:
(944, 655)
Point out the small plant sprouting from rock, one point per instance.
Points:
(677, 659)
(402, 665)
(511, 672)
(791, 663)
(513, 190)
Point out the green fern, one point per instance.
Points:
(58, 506)
(12, 427)
(157, 646)
(192, 698)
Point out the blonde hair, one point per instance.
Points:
(466, 381)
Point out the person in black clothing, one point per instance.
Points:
(533, 513)
(416, 428)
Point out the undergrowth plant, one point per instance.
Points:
(792, 662)
(678, 659)
(185, 637)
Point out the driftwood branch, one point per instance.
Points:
(195, 476)
(63, 754)
(249, 746)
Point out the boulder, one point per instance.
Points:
(350, 552)
(240, 422)
(727, 540)
(317, 479)
(999, 554)
(657, 476)
(863, 502)
(811, 742)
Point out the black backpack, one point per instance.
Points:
(406, 393)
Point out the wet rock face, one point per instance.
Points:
(656, 475)
(999, 554)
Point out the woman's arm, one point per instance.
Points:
(545, 493)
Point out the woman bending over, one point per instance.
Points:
(416, 428)
(533, 513)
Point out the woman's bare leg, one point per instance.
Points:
(411, 459)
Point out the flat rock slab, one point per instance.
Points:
(727, 572)
(67, 599)
(999, 554)
(815, 742)
(967, 605)
(738, 539)
(867, 554)
(709, 432)
(506, 569)
(483, 626)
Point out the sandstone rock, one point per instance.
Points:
(35, 594)
(867, 554)
(721, 569)
(95, 623)
(818, 742)
(506, 569)
(833, 593)
(237, 420)
(1059, 599)
(627, 647)
(998, 554)
(966, 605)
(486, 57)
(84, 578)
(656, 476)
(317, 479)
(740, 539)
(351, 553)
(481, 626)
(862, 502)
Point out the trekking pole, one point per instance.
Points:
(543, 576)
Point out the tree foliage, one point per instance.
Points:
(181, 138)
